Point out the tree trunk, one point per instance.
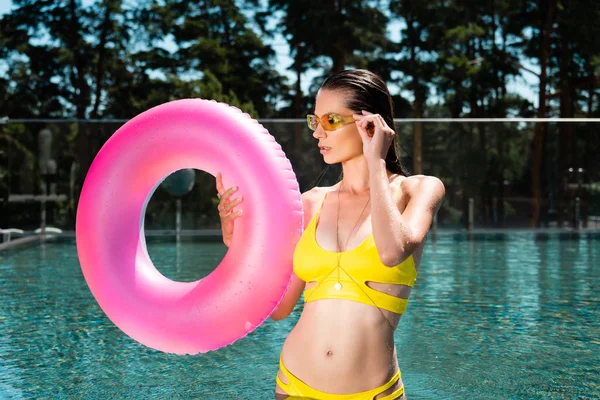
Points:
(540, 128)
(100, 64)
(339, 62)
(565, 156)
(337, 53)
(84, 150)
(298, 108)
(500, 138)
(80, 84)
(591, 87)
(589, 138)
(418, 103)
(418, 142)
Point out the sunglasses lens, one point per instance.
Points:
(331, 122)
(311, 121)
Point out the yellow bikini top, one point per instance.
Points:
(357, 267)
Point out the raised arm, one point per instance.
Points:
(397, 234)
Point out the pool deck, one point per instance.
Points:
(26, 240)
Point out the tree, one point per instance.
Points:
(543, 25)
(416, 60)
(213, 35)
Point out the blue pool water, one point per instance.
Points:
(503, 316)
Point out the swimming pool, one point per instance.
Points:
(504, 316)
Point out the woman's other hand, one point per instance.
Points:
(226, 211)
(376, 135)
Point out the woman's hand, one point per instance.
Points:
(225, 207)
(376, 135)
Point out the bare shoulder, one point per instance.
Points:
(311, 196)
(428, 191)
(311, 193)
(423, 184)
(310, 201)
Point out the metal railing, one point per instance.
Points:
(485, 164)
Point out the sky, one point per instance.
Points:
(524, 85)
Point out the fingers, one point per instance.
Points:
(372, 123)
(368, 117)
(358, 119)
(219, 183)
(374, 119)
(368, 124)
(225, 206)
(362, 115)
(231, 216)
(224, 196)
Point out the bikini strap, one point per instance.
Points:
(321, 205)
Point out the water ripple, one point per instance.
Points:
(514, 316)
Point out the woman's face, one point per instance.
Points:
(343, 143)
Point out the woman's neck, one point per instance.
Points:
(356, 178)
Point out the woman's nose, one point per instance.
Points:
(319, 132)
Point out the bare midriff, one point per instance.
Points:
(343, 347)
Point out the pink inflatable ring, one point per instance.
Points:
(188, 317)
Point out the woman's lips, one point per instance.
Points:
(324, 149)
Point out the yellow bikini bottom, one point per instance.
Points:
(296, 387)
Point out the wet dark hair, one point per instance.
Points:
(367, 91)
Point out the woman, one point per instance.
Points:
(357, 259)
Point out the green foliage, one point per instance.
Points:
(215, 37)
(456, 58)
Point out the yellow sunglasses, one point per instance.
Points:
(329, 122)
